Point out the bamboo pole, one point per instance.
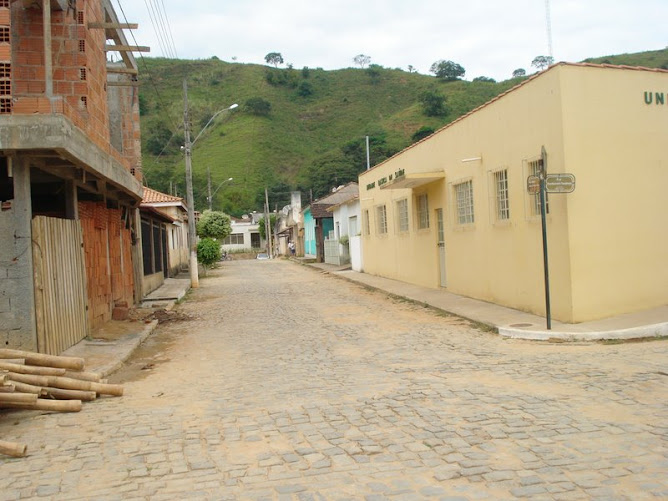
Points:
(7, 388)
(13, 449)
(61, 394)
(49, 405)
(17, 398)
(29, 388)
(86, 376)
(72, 363)
(68, 383)
(31, 369)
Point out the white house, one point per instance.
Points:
(346, 215)
(245, 233)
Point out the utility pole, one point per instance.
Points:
(192, 238)
(208, 186)
(267, 222)
(368, 162)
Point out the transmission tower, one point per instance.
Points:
(548, 23)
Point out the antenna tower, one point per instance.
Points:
(548, 23)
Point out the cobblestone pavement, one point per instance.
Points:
(287, 383)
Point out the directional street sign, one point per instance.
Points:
(533, 185)
(559, 183)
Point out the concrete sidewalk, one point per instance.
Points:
(106, 354)
(509, 322)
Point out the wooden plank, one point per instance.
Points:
(113, 26)
(128, 83)
(126, 48)
(122, 70)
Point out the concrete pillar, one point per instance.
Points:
(17, 293)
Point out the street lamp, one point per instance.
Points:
(192, 236)
(210, 195)
(213, 117)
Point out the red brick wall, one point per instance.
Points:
(79, 73)
(107, 251)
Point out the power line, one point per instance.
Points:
(169, 29)
(150, 77)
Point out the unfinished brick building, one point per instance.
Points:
(70, 170)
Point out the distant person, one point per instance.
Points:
(292, 248)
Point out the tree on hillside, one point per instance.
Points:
(519, 72)
(433, 103)
(542, 62)
(447, 71)
(274, 58)
(411, 68)
(374, 72)
(421, 133)
(258, 106)
(361, 60)
(484, 79)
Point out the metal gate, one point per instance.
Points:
(60, 284)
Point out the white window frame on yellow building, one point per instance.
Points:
(498, 185)
(422, 211)
(381, 219)
(456, 203)
(402, 215)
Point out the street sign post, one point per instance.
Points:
(541, 184)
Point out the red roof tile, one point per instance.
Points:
(151, 196)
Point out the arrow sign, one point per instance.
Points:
(559, 183)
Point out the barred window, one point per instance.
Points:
(502, 201)
(464, 199)
(82, 46)
(381, 219)
(82, 73)
(4, 34)
(4, 3)
(535, 168)
(80, 17)
(422, 212)
(234, 239)
(402, 215)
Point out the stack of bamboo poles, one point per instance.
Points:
(47, 383)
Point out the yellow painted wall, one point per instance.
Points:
(501, 262)
(618, 216)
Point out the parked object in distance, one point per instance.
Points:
(262, 255)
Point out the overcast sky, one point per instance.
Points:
(487, 37)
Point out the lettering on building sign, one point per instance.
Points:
(371, 186)
(655, 97)
(399, 173)
(382, 181)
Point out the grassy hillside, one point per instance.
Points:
(648, 59)
(313, 137)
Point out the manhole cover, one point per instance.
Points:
(521, 325)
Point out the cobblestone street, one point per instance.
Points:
(287, 383)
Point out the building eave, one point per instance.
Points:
(56, 133)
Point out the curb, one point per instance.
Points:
(641, 332)
(128, 350)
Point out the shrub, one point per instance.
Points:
(208, 252)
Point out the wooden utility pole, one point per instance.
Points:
(192, 236)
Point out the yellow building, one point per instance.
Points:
(453, 210)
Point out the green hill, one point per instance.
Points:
(313, 136)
